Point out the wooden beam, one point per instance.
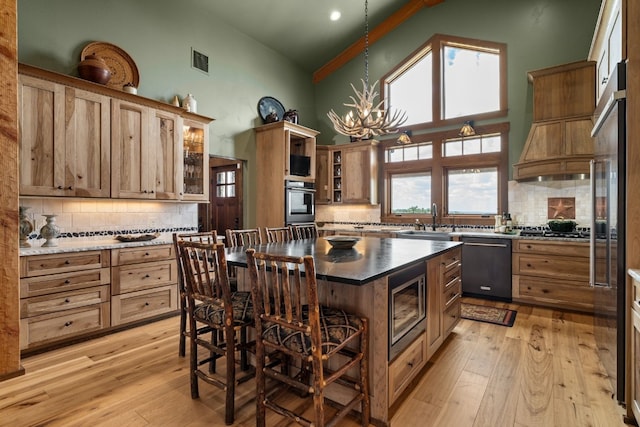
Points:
(406, 12)
(9, 252)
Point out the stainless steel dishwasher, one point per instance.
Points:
(486, 267)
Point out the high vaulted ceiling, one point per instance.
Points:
(301, 29)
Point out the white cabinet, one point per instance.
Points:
(608, 46)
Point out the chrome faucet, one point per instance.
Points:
(434, 214)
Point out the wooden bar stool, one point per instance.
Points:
(317, 337)
(246, 237)
(306, 230)
(206, 237)
(228, 315)
(279, 234)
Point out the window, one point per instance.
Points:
(447, 80)
(226, 184)
(466, 177)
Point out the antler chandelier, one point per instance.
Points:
(367, 119)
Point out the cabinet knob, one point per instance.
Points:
(69, 323)
(67, 300)
(605, 80)
(146, 304)
(70, 187)
(59, 187)
(66, 282)
(67, 262)
(146, 276)
(410, 364)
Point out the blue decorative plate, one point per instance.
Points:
(267, 105)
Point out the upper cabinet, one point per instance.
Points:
(608, 46)
(349, 174)
(64, 140)
(81, 139)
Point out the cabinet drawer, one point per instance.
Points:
(554, 267)
(451, 259)
(143, 304)
(63, 324)
(451, 277)
(63, 282)
(451, 317)
(38, 265)
(452, 293)
(34, 306)
(552, 248)
(565, 292)
(135, 277)
(406, 367)
(142, 254)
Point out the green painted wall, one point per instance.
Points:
(538, 33)
(159, 35)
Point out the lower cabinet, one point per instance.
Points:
(406, 366)
(634, 351)
(63, 296)
(75, 295)
(144, 283)
(444, 290)
(552, 273)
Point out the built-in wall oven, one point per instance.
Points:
(407, 307)
(299, 200)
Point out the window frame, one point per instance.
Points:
(438, 166)
(436, 45)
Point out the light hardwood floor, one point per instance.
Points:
(544, 371)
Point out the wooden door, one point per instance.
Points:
(164, 143)
(225, 208)
(87, 142)
(130, 156)
(42, 140)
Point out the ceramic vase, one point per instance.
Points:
(26, 227)
(95, 69)
(189, 103)
(50, 231)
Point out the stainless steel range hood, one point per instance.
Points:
(559, 144)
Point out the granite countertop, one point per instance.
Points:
(370, 259)
(79, 245)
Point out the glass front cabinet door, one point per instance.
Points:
(195, 173)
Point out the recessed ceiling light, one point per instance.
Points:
(335, 15)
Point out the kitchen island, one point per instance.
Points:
(361, 280)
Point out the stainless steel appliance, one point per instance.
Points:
(299, 199)
(407, 307)
(608, 171)
(486, 270)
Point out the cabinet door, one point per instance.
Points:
(356, 177)
(323, 187)
(195, 167)
(88, 146)
(42, 140)
(164, 141)
(130, 157)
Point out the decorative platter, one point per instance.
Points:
(139, 238)
(267, 105)
(342, 242)
(123, 68)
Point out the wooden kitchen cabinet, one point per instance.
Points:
(323, 175)
(444, 291)
(552, 273)
(634, 350)
(195, 167)
(145, 152)
(608, 46)
(64, 140)
(275, 143)
(144, 283)
(63, 296)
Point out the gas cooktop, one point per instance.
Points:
(549, 233)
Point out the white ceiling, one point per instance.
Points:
(301, 29)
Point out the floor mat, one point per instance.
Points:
(498, 316)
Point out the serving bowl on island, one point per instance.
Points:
(342, 242)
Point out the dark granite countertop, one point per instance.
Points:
(370, 259)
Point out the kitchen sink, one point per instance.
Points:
(425, 235)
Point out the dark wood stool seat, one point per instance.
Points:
(211, 303)
(328, 346)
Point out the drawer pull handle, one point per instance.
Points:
(410, 364)
(67, 300)
(528, 265)
(67, 262)
(146, 254)
(69, 323)
(146, 304)
(146, 276)
(66, 282)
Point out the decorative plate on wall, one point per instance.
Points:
(123, 68)
(268, 105)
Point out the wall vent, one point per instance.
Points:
(199, 61)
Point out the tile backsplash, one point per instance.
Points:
(119, 216)
(528, 204)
